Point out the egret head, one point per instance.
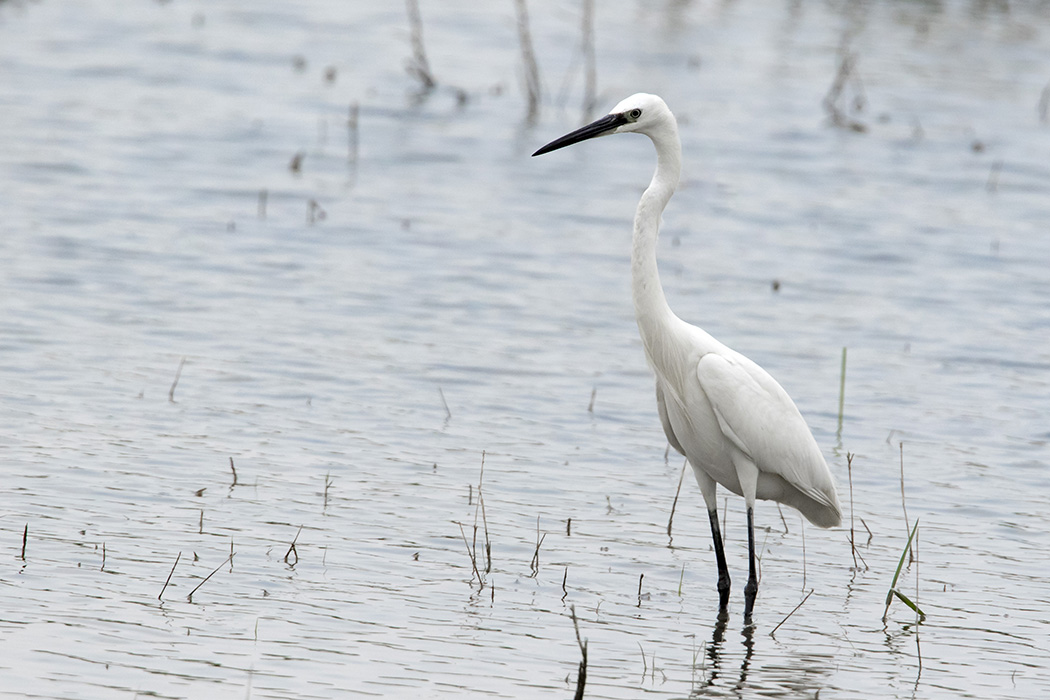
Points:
(642, 113)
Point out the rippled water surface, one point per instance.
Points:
(320, 319)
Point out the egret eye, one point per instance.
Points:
(634, 114)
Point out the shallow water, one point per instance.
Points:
(449, 267)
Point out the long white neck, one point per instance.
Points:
(650, 305)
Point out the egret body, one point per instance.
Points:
(733, 422)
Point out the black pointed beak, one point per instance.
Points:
(596, 128)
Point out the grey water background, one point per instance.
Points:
(446, 265)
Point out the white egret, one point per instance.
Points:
(734, 423)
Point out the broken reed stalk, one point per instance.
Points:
(448, 412)
(773, 631)
(214, 571)
(870, 536)
(327, 485)
(418, 67)
(852, 545)
(178, 373)
(918, 614)
(581, 676)
(315, 212)
(234, 470)
(168, 580)
(640, 577)
(484, 519)
(564, 580)
(470, 553)
(590, 70)
(528, 60)
(292, 550)
(783, 519)
(25, 539)
(838, 86)
(535, 565)
(674, 504)
(103, 567)
(590, 406)
(904, 506)
(488, 545)
(295, 165)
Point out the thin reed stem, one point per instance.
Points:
(214, 571)
(581, 676)
(168, 580)
(528, 59)
(774, 630)
(178, 373)
(904, 506)
(674, 503)
(852, 541)
(419, 66)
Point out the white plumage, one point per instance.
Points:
(734, 423)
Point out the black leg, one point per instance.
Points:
(720, 556)
(751, 589)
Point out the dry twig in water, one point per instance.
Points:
(214, 571)
(904, 507)
(774, 630)
(470, 553)
(315, 212)
(292, 550)
(590, 70)
(448, 411)
(178, 373)
(831, 99)
(484, 519)
(418, 67)
(168, 580)
(528, 60)
(674, 504)
(852, 546)
(581, 676)
(535, 565)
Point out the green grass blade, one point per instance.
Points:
(896, 575)
(900, 564)
(907, 601)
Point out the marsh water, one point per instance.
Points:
(417, 296)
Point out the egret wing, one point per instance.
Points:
(661, 407)
(760, 419)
